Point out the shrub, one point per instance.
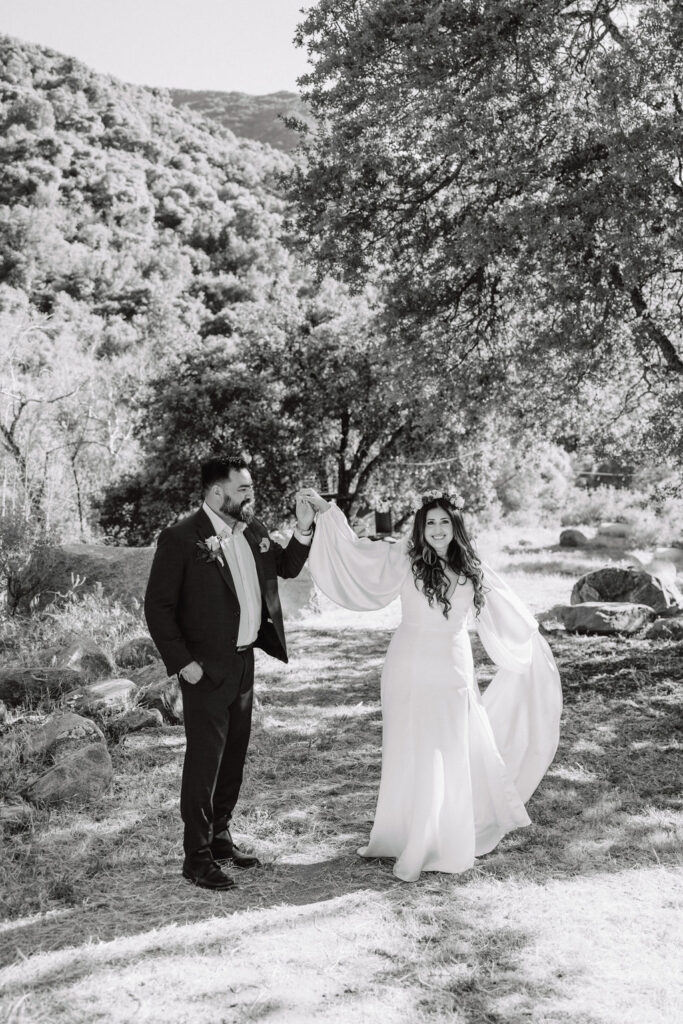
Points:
(28, 554)
(656, 519)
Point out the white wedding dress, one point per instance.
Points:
(457, 768)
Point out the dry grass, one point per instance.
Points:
(573, 920)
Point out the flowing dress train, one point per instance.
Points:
(457, 768)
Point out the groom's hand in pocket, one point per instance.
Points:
(192, 673)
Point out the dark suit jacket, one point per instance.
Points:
(191, 604)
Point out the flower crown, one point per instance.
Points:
(454, 500)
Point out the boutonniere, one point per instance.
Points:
(264, 545)
(210, 550)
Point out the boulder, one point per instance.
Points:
(15, 815)
(553, 614)
(607, 540)
(136, 653)
(139, 718)
(606, 618)
(79, 778)
(152, 673)
(623, 530)
(120, 572)
(629, 586)
(666, 629)
(86, 657)
(60, 735)
(111, 693)
(20, 685)
(573, 538)
(157, 690)
(3, 713)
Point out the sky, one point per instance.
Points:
(240, 45)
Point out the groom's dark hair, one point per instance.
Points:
(219, 468)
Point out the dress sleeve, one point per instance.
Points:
(358, 574)
(524, 699)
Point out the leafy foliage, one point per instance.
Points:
(28, 553)
(130, 229)
(513, 172)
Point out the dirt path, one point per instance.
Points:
(565, 921)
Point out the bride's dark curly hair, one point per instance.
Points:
(460, 557)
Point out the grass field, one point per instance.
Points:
(572, 920)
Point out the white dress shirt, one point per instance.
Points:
(240, 561)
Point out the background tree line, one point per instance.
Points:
(487, 274)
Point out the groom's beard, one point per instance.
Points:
(241, 511)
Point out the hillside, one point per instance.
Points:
(251, 117)
(93, 164)
(133, 228)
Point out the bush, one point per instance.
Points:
(657, 520)
(28, 554)
(534, 479)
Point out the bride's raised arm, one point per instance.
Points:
(355, 573)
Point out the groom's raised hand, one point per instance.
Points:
(308, 502)
(310, 495)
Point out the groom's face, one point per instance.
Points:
(236, 495)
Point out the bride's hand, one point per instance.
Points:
(310, 495)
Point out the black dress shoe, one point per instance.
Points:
(225, 849)
(207, 874)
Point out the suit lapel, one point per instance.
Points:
(205, 529)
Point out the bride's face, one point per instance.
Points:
(439, 530)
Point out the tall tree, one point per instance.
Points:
(515, 171)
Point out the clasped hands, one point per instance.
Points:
(308, 502)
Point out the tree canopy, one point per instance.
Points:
(513, 174)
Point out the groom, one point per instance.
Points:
(212, 597)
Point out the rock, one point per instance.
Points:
(81, 777)
(152, 673)
(136, 652)
(553, 614)
(3, 713)
(666, 629)
(119, 572)
(86, 657)
(606, 618)
(139, 718)
(111, 692)
(20, 685)
(573, 538)
(60, 735)
(15, 815)
(623, 530)
(610, 541)
(630, 586)
(159, 691)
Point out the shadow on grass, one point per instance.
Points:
(308, 803)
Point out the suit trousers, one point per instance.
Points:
(217, 735)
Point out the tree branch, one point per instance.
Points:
(653, 331)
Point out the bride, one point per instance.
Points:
(457, 767)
